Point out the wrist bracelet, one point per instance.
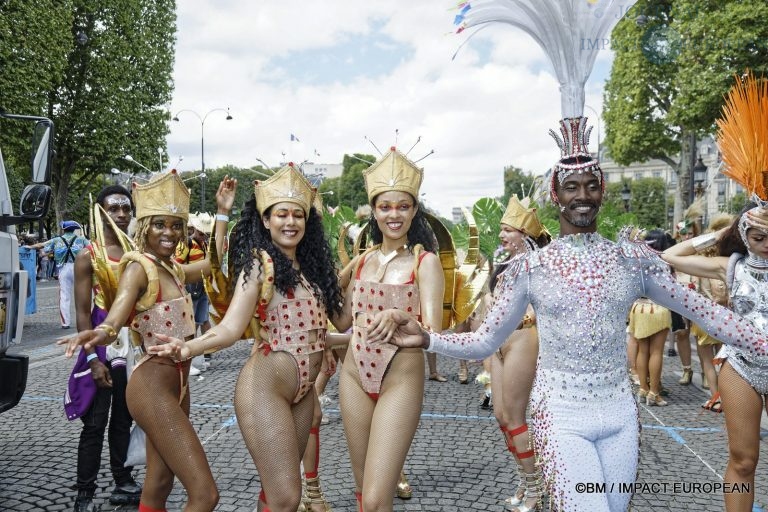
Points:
(91, 357)
(108, 330)
(222, 217)
(702, 242)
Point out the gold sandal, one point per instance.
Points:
(404, 490)
(313, 495)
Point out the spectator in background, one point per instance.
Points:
(64, 249)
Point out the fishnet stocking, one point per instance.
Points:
(743, 408)
(379, 433)
(173, 448)
(275, 429)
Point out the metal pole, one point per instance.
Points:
(202, 164)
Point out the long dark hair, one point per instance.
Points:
(420, 231)
(731, 241)
(313, 254)
(658, 240)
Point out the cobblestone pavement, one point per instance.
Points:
(457, 461)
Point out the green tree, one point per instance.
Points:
(105, 83)
(34, 39)
(674, 60)
(351, 185)
(736, 203)
(648, 202)
(517, 182)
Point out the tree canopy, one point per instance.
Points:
(674, 61)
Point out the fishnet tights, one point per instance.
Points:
(743, 408)
(379, 433)
(173, 448)
(275, 429)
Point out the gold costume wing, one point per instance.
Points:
(105, 275)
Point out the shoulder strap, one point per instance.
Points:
(69, 245)
(363, 257)
(149, 298)
(730, 273)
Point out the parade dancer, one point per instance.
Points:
(743, 265)
(152, 301)
(286, 282)
(381, 389)
(513, 366)
(581, 287)
(99, 378)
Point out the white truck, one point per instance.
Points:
(33, 205)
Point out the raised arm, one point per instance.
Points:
(225, 198)
(225, 333)
(684, 257)
(719, 322)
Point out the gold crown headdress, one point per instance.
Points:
(393, 172)
(286, 185)
(521, 217)
(163, 195)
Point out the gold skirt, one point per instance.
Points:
(702, 338)
(647, 318)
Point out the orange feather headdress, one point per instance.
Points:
(743, 134)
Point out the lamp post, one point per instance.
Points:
(202, 145)
(699, 176)
(129, 158)
(626, 195)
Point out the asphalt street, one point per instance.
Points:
(458, 460)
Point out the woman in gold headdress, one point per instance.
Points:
(513, 367)
(152, 286)
(381, 387)
(742, 263)
(286, 290)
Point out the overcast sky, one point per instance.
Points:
(336, 71)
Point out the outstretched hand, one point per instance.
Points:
(225, 195)
(398, 328)
(172, 348)
(86, 339)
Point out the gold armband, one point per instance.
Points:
(108, 330)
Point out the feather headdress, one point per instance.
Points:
(743, 134)
(571, 33)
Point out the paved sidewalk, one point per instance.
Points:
(457, 462)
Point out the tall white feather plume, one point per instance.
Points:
(570, 32)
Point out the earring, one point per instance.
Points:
(562, 209)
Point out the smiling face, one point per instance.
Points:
(286, 223)
(118, 207)
(512, 240)
(164, 234)
(394, 213)
(580, 197)
(758, 243)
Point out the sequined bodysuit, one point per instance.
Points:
(584, 416)
(749, 297)
(297, 326)
(368, 298)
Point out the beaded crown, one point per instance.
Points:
(286, 185)
(165, 194)
(393, 172)
(521, 217)
(573, 142)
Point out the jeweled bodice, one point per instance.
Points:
(749, 294)
(581, 287)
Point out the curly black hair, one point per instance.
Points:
(420, 231)
(731, 241)
(313, 254)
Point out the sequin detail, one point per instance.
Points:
(290, 325)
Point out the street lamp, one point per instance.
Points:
(626, 195)
(202, 145)
(129, 158)
(699, 176)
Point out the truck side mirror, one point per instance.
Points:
(41, 151)
(35, 201)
